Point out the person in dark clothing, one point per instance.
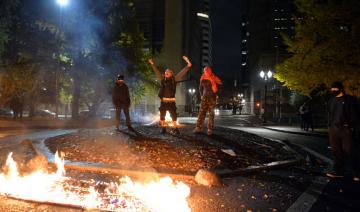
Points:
(209, 83)
(306, 117)
(309, 124)
(16, 105)
(121, 101)
(343, 118)
(302, 111)
(167, 92)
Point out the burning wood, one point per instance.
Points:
(126, 195)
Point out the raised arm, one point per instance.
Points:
(155, 68)
(184, 70)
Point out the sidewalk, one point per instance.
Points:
(320, 132)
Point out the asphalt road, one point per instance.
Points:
(322, 193)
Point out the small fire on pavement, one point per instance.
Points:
(168, 120)
(125, 195)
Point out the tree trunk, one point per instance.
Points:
(76, 99)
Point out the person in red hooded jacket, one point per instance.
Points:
(209, 84)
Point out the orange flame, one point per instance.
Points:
(164, 195)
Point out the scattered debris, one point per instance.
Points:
(207, 178)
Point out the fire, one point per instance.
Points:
(41, 186)
(168, 120)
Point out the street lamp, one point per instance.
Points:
(191, 92)
(61, 3)
(265, 76)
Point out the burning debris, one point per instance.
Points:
(126, 195)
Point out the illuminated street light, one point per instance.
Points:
(203, 15)
(262, 74)
(192, 100)
(265, 77)
(62, 3)
(192, 91)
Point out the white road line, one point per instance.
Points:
(307, 199)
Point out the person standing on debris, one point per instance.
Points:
(344, 115)
(121, 101)
(167, 92)
(209, 83)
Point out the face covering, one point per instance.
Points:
(335, 93)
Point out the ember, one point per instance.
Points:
(40, 186)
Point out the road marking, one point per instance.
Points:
(316, 154)
(307, 199)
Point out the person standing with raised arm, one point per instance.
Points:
(167, 92)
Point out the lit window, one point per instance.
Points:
(244, 52)
(244, 41)
(243, 64)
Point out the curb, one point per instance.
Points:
(102, 168)
(298, 133)
(250, 169)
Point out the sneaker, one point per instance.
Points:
(356, 178)
(209, 132)
(163, 130)
(197, 130)
(176, 131)
(334, 175)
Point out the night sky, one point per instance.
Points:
(226, 26)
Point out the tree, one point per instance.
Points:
(326, 47)
(7, 19)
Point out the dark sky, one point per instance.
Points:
(226, 26)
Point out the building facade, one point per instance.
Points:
(268, 20)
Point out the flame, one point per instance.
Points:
(168, 120)
(162, 195)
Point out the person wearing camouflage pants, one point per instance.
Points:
(209, 83)
(207, 105)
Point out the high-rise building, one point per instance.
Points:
(151, 18)
(269, 19)
(203, 14)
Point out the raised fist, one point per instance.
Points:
(151, 61)
(187, 61)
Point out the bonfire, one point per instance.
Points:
(125, 195)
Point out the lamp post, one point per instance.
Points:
(61, 3)
(191, 92)
(265, 76)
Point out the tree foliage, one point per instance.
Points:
(326, 46)
(75, 58)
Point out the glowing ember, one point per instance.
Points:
(164, 195)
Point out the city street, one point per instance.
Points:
(321, 194)
(301, 187)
